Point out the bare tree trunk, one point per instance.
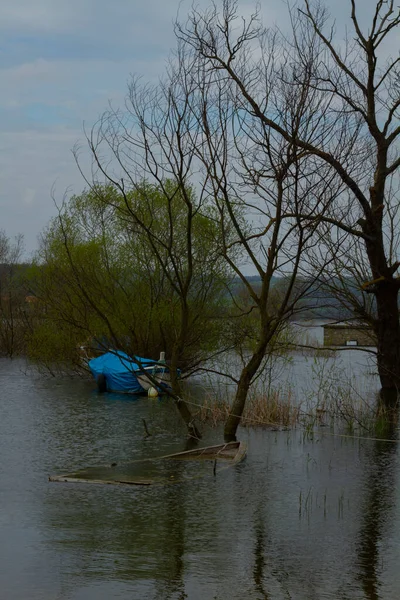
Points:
(181, 405)
(388, 341)
(384, 286)
(242, 390)
(187, 417)
(177, 352)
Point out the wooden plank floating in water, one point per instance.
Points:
(232, 453)
(66, 479)
(226, 451)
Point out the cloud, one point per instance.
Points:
(91, 16)
(62, 62)
(32, 164)
(85, 29)
(29, 196)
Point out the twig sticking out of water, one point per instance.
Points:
(148, 434)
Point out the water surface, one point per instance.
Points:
(299, 518)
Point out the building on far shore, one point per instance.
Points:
(348, 333)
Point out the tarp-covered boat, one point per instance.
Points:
(117, 372)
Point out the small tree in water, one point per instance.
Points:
(263, 173)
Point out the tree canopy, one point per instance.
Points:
(111, 271)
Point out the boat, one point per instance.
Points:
(115, 371)
(157, 375)
(161, 470)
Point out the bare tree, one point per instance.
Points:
(348, 126)
(149, 145)
(262, 184)
(258, 188)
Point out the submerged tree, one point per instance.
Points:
(154, 142)
(255, 188)
(348, 128)
(169, 132)
(257, 172)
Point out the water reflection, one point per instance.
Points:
(377, 510)
(174, 586)
(259, 557)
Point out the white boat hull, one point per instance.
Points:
(161, 375)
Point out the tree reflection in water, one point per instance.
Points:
(378, 505)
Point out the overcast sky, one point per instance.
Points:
(60, 63)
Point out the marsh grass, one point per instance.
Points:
(213, 411)
(333, 399)
(308, 386)
(278, 410)
(275, 409)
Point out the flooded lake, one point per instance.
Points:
(300, 518)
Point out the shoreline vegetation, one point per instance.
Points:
(278, 411)
(337, 405)
(273, 403)
(333, 399)
(335, 402)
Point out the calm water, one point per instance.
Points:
(297, 519)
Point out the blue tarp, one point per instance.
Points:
(119, 370)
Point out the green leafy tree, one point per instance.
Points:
(116, 269)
